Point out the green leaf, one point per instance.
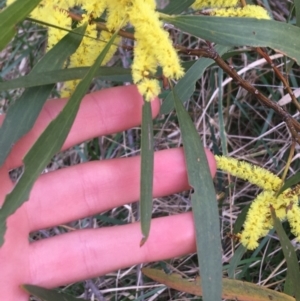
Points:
(297, 7)
(22, 114)
(177, 6)
(293, 180)
(46, 294)
(241, 219)
(186, 85)
(280, 36)
(255, 256)
(147, 157)
(205, 207)
(235, 261)
(47, 145)
(290, 256)
(51, 77)
(11, 16)
(232, 289)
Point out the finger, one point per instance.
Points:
(86, 189)
(86, 254)
(104, 112)
(14, 250)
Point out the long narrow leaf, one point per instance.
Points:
(147, 157)
(48, 144)
(232, 289)
(242, 31)
(51, 77)
(47, 294)
(293, 180)
(297, 7)
(22, 114)
(235, 261)
(11, 16)
(186, 85)
(205, 209)
(177, 6)
(293, 273)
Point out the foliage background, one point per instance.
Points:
(253, 132)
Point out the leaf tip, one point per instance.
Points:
(143, 240)
(2, 232)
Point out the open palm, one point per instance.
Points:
(86, 189)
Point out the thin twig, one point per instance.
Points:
(280, 76)
(292, 124)
(243, 3)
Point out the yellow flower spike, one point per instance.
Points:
(84, 56)
(149, 88)
(144, 64)
(117, 12)
(153, 45)
(249, 11)
(252, 173)
(293, 217)
(93, 8)
(199, 4)
(153, 48)
(90, 46)
(87, 52)
(292, 192)
(258, 221)
(58, 18)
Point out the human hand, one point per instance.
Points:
(79, 191)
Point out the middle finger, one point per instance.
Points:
(83, 190)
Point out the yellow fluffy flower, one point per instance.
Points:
(293, 214)
(149, 88)
(117, 12)
(199, 4)
(153, 46)
(249, 172)
(88, 51)
(249, 11)
(229, 8)
(259, 221)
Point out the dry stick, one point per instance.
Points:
(280, 76)
(243, 3)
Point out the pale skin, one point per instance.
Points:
(86, 189)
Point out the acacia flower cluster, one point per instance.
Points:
(230, 8)
(153, 46)
(259, 221)
(55, 12)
